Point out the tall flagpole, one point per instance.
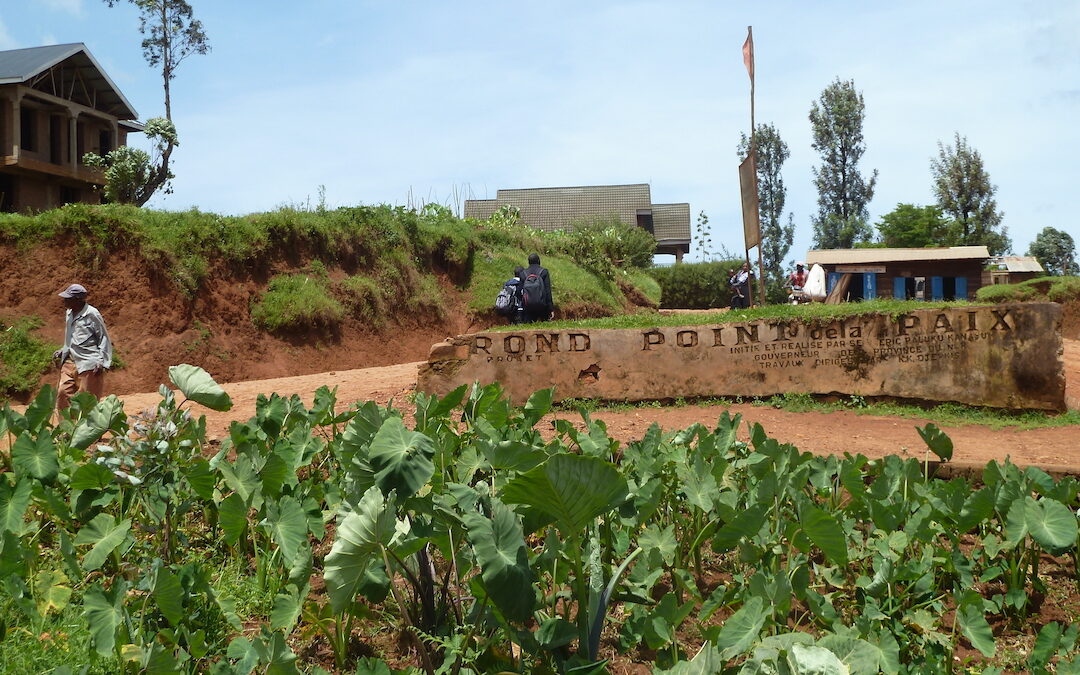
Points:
(753, 152)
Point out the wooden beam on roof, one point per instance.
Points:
(74, 106)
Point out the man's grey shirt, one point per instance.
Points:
(85, 340)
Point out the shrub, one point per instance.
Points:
(296, 302)
(604, 245)
(364, 299)
(695, 285)
(23, 357)
(1064, 289)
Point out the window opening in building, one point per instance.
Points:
(28, 125)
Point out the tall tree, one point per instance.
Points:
(911, 226)
(171, 33)
(964, 192)
(776, 237)
(1056, 251)
(836, 119)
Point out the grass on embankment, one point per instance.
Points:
(1054, 289)
(945, 414)
(23, 356)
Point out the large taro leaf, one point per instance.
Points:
(401, 458)
(107, 414)
(745, 524)
(935, 439)
(103, 534)
(826, 532)
(538, 405)
(288, 526)
(35, 457)
(1051, 524)
(360, 537)
(197, 385)
(504, 563)
(812, 660)
(232, 517)
(975, 628)
(104, 611)
(169, 595)
(14, 500)
(52, 590)
(41, 409)
(858, 655)
(573, 489)
(742, 629)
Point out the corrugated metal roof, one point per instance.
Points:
(481, 209)
(20, 65)
(557, 208)
(862, 256)
(1020, 263)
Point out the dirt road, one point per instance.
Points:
(833, 432)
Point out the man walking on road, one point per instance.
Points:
(87, 351)
(536, 291)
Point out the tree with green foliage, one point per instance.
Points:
(964, 192)
(843, 193)
(170, 33)
(911, 226)
(130, 172)
(1055, 251)
(704, 235)
(776, 237)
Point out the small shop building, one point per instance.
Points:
(1012, 269)
(950, 273)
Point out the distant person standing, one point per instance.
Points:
(740, 286)
(536, 291)
(87, 351)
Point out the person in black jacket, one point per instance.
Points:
(536, 287)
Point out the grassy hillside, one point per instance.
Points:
(235, 287)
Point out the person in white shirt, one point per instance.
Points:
(87, 351)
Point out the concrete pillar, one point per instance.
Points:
(678, 256)
(14, 132)
(73, 140)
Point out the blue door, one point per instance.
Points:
(869, 291)
(899, 288)
(831, 283)
(937, 288)
(961, 288)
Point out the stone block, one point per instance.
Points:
(1004, 356)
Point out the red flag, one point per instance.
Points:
(748, 52)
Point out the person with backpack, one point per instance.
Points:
(536, 291)
(509, 301)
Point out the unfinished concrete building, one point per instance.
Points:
(56, 105)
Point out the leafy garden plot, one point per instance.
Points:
(328, 539)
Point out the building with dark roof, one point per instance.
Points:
(949, 273)
(557, 208)
(56, 105)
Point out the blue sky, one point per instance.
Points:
(428, 100)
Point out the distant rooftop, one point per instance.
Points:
(1017, 263)
(856, 256)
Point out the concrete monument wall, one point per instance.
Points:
(1006, 356)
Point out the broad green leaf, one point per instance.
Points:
(538, 405)
(1046, 645)
(35, 457)
(742, 629)
(40, 409)
(14, 500)
(975, 628)
(244, 652)
(104, 611)
(359, 538)
(812, 660)
(504, 562)
(169, 595)
(706, 662)
(197, 385)
(287, 607)
(201, 478)
(232, 517)
(108, 412)
(935, 439)
(287, 523)
(746, 524)
(51, 591)
(105, 534)
(401, 458)
(555, 632)
(91, 477)
(858, 655)
(826, 532)
(1016, 527)
(1051, 524)
(660, 540)
(573, 489)
(977, 507)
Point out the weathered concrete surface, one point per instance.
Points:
(1005, 356)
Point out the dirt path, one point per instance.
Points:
(833, 432)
